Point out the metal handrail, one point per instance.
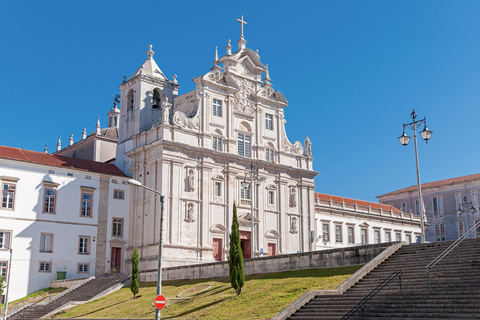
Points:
(442, 255)
(363, 302)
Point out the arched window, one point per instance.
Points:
(114, 121)
(217, 140)
(130, 99)
(156, 99)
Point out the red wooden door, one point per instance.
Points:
(272, 249)
(245, 239)
(116, 259)
(217, 249)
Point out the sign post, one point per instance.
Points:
(160, 302)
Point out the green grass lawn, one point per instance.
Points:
(264, 295)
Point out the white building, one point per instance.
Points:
(59, 214)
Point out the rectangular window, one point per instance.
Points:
(338, 233)
(49, 199)
(478, 228)
(474, 198)
(437, 206)
(404, 206)
(326, 232)
(3, 268)
(118, 194)
(271, 197)
(417, 207)
(114, 181)
(388, 236)
(8, 195)
(44, 266)
(245, 192)
(217, 143)
(218, 189)
(217, 108)
(244, 145)
(86, 205)
(443, 232)
(117, 227)
(88, 177)
(409, 238)
(5, 237)
(269, 155)
(84, 245)
(46, 242)
(376, 236)
(82, 268)
(364, 236)
(268, 121)
(351, 236)
(458, 201)
(398, 236)
(437, 232)
(461, 228)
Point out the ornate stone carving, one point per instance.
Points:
(293, 197)
(166, 111)
(243, 98)
(308, 147)
(293, 225)
(215, 75)
(180, 119)
(190, 180)
(297, 147)
(189, 216)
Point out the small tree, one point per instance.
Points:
(235, 259)
(134, 285)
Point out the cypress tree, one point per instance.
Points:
(235, 259)
(134, 285)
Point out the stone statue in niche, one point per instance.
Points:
(166, 111)
(190, 180)
(308, 147)
(189, 217)
(293, 197)
(293, 226)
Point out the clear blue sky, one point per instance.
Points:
(351, 70)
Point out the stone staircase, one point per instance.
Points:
(453, 293)
(83, 293)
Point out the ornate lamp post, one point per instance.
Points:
(160, 244)
(404, 139)
(464, 207)
(249, 185)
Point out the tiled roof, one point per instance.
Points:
(59, 161)
(434, 184)
(362, 203)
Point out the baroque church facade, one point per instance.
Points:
(199, 151)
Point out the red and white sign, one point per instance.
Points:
(160, 302)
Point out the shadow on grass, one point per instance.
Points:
(178, 316)
(97, 310)
(306, 273)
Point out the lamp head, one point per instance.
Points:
(134, 182)
(404, 139)
(426, 134)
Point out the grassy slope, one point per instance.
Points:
(264, 295)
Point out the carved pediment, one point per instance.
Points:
(243, 100)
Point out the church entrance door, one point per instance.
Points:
(217, 249)
(271, 249)
(245, 239)
(116, 259)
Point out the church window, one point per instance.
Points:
(109, 121)
(5, 237)
(351, 235)
(437, 206)
(245, 192)
(268, 121)
(3, 269)
(49, 200)
(217, 143)
(408, 238)
(338, 233)
(84, 245)
(442, 232)
(130, 99)
(404, 206)
(218, 189)
(271, 197)
(244, 145)
(461, 228)
(474, 198)
(376, 236)
(325, 232)
(117, 227)
(417, 207)
(8, 195)
(114, 121)
(269, 155)
(86, 204)
(46, 242)
(217, 108)
(364, 236)
(44, 266)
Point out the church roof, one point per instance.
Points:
(59, 161)
(435, 184)
(149, 67)
(110, 132)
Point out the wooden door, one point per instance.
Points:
(272, 249)
(116, 259)
(217, 249)
(245, 242)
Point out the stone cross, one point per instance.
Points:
(242, 22)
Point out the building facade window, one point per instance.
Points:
(46, 242)
(86, 205)
(269, 155)
(326, 232)
(461, 228)
(5, 237)
(338, 233)
(417, 207)
(351, 235)
(443, 232)
(458, 200)
(398, 236)
(404, 206)
(376, 236)
(364, 233)
(218, 189)
(118, 194)
(437, 206)
(268, 121)
(437, 232)
(8, 195)
(408, 238)
(44, 266)
(474, 198)
(388, 236)
(217, 143)
(244, 145)
(49, 200)
(3, 269)
(271, 197)
(217, 108)
(84, 245)
(245, 192)
(117, 227)
(82, 268)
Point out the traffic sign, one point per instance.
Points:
(160, 302)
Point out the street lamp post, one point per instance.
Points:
(246, 185)
(8, 285)
(465, 207)
(160, 244)
(404, 139)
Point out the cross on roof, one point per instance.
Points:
(242, 22)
